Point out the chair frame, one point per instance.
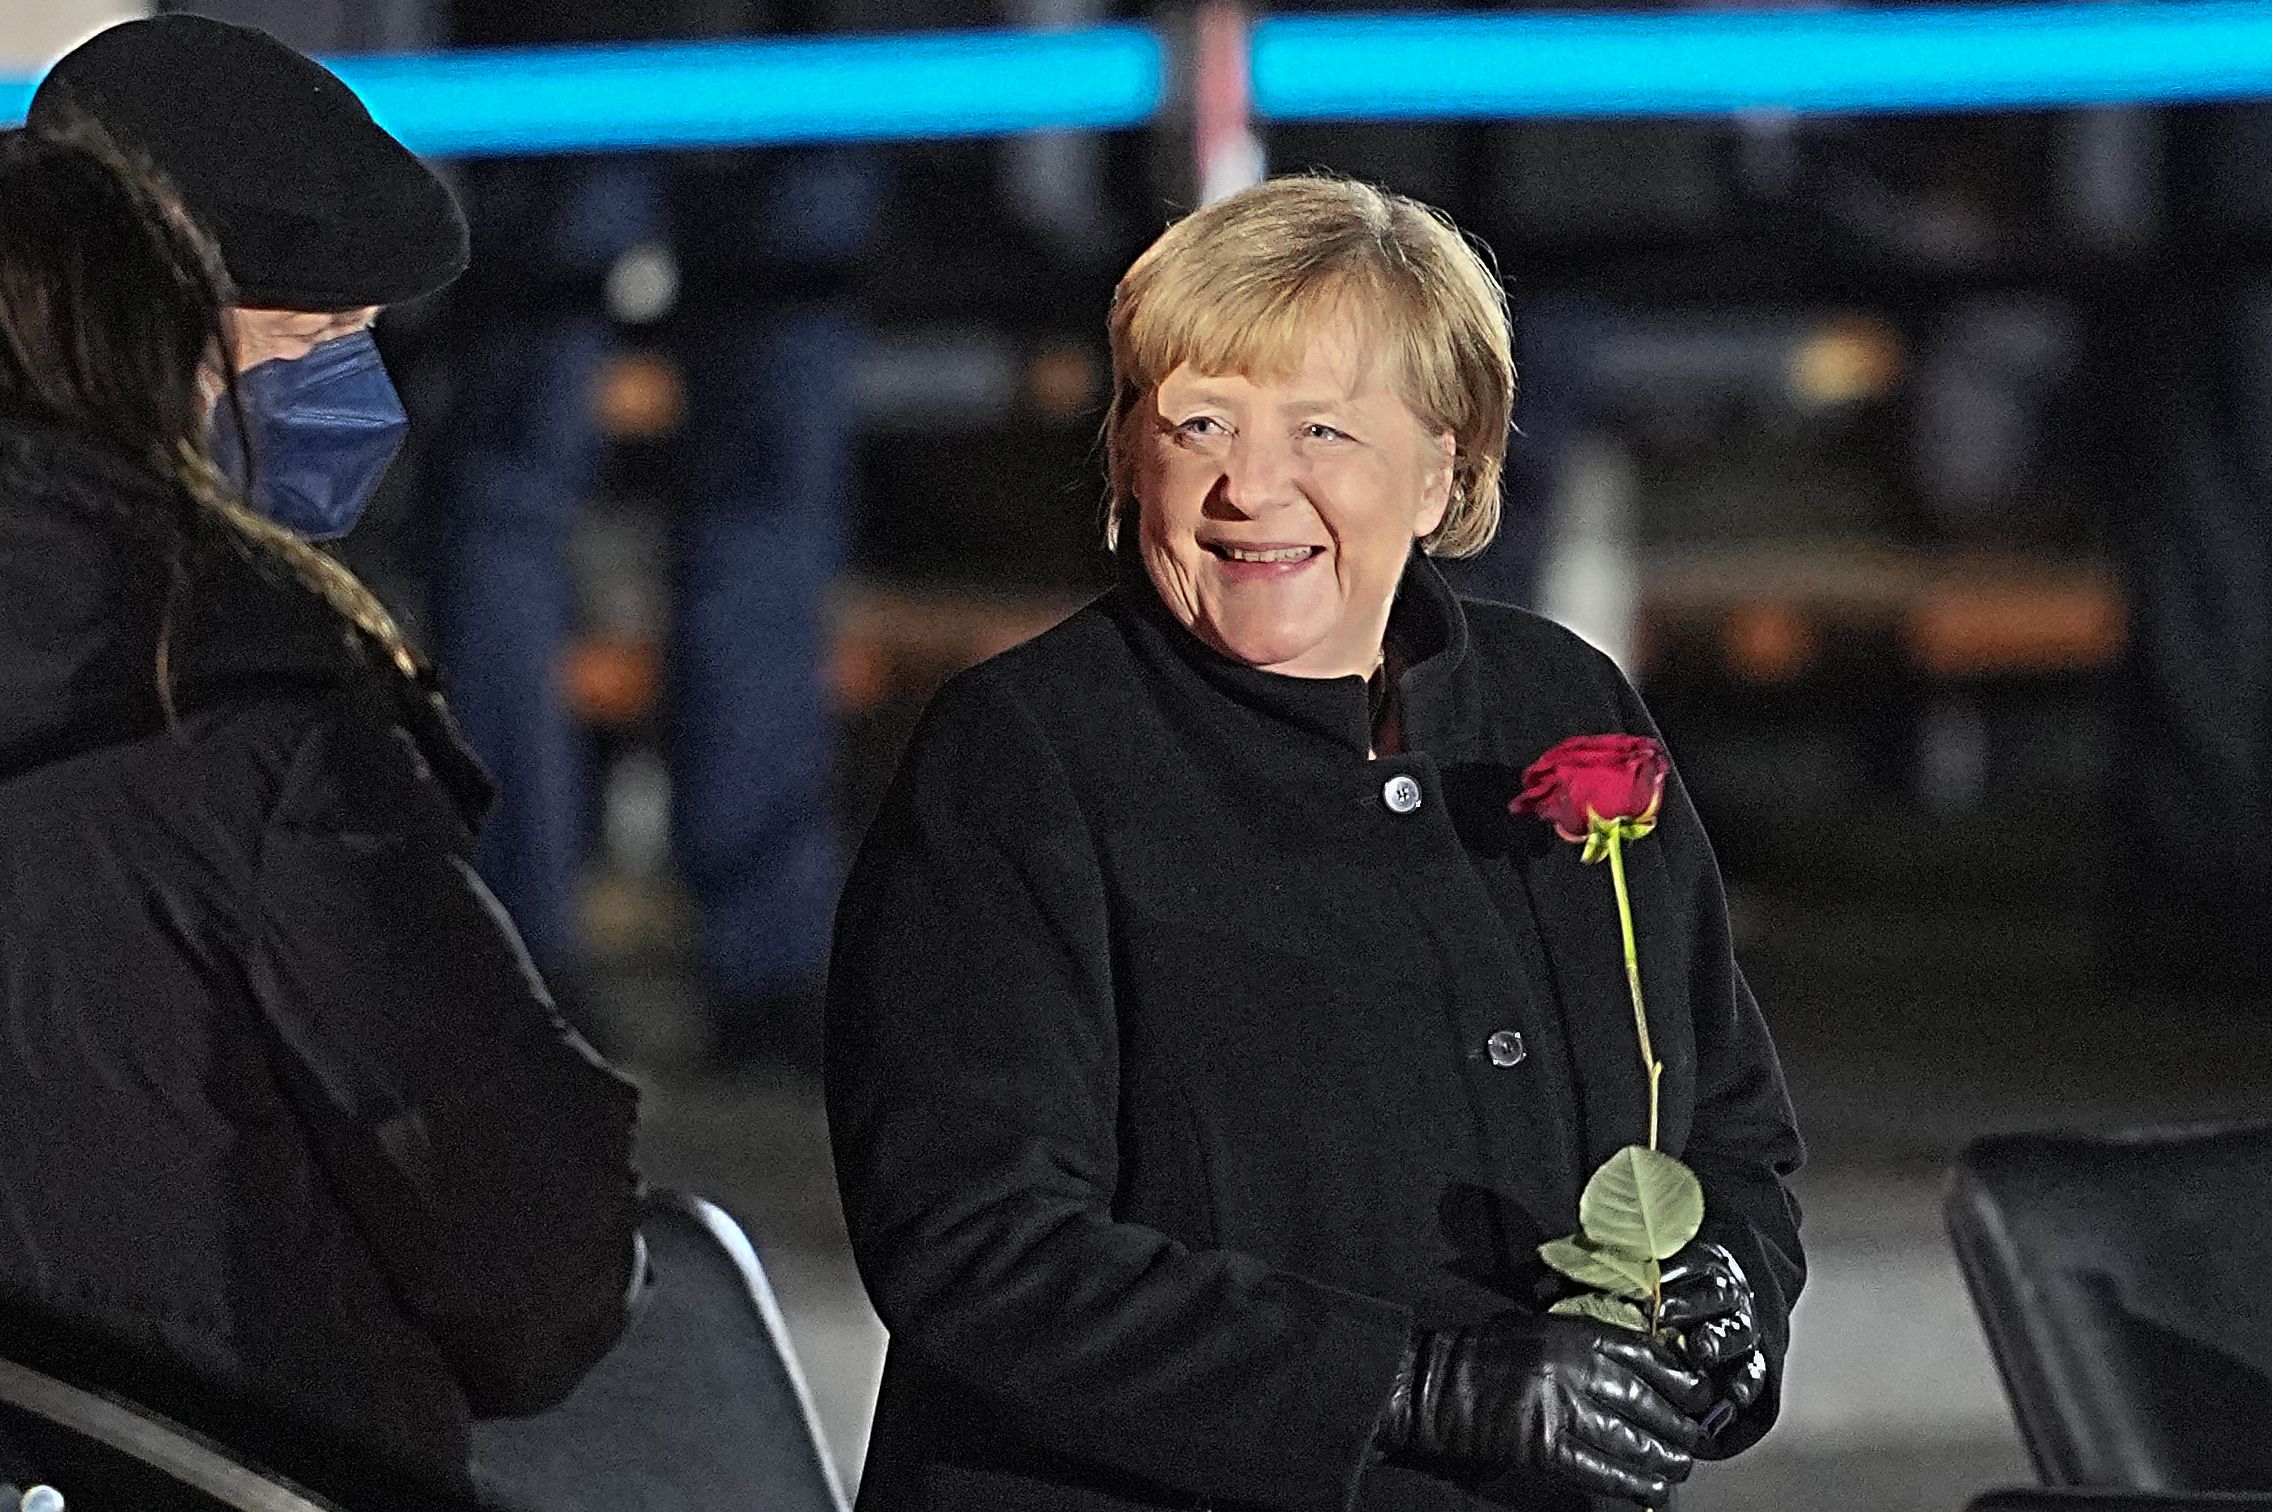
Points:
(721, 1226)
(153, 1440)
(2024, 1380)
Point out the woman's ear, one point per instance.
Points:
(1438, 490)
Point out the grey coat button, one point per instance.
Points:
(1401, 794)
(1506, 1048)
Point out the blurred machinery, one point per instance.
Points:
(1800, 394)
(1816, 428)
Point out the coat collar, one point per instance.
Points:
(1427, 636)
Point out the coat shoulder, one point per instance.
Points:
(1058, 683)
(1015, 740)
(1500, 631)
(1068, 653)
(1539, 664)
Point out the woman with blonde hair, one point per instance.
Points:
(293, 1148)
(1210, 1049)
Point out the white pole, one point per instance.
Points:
(1055, 179)
(34, 33)
(1228, 153)
(1590, 581)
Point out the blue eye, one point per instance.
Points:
(1200, 425)
(1318, 430)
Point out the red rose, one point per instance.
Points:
(1596, 779)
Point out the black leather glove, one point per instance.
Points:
(1605, 1409)
(1708, 1299)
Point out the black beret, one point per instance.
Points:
(315, 207)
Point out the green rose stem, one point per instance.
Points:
(1613, 833)
(1649, 1062)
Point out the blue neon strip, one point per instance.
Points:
(758, 92)
(1339, 67)
(589, 99)
(1359, 68)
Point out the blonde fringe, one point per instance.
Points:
(328, 579)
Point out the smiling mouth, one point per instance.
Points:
(1268, 554)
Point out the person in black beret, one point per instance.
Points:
(294, 1148)
(322, 219)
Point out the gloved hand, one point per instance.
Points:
(1708, 1299)
(1607, 1410)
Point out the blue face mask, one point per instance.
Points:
(324, 427)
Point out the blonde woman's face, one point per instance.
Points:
(1275, 517)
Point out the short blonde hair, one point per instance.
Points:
(1242, 285)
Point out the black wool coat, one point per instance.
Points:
(1174, 1073)
(292, 1145)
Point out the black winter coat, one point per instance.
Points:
(292, 1145)
(1161, 1064)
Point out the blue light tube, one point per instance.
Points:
(1899, 58)
(1338, 67)
(752, 93)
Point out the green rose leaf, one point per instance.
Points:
(1642, 1204)
(1608, 1310)
(1619, 1275)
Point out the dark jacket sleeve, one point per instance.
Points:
(1743, 1141)
(974, 1098)
(484, 1151)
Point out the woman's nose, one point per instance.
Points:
(1258, 476)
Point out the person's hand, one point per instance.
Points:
(1607, 1410)
(1708, 1300)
